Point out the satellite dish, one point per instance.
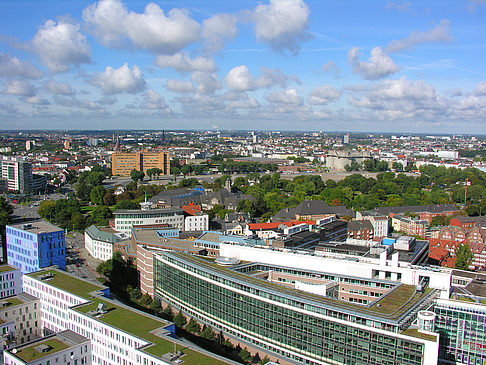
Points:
(14, 351)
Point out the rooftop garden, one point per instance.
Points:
(414, 332)
(11, 302)
(30, 353)
(142, 325)
(68, 283)
(5, 268)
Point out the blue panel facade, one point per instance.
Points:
(33, 251)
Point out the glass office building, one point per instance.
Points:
(296, 326)
(462, 329)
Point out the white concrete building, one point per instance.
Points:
(99, 241)
(126, 219)
(70, 303)
(10, 281)
(23, 310)
(196, 223)
(66, 347)
(365, 267)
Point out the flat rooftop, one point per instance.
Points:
(5, 268)
(43, 347)
(150, 211)
(124, 318)
(152, 239)
(14, 300)
(39, 226)
(390, 307)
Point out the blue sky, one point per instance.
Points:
(391, 66)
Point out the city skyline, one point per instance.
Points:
(271, 65)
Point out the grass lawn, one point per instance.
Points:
(465, 299)
(30, 353)
(5, 268)
(141, 325)
(395, 299)
(415, 333)
(69, 283)
(11, 301)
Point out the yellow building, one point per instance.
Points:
(124, 162)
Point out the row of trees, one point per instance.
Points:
(434, 186)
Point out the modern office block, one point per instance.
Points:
(17, 172)
(36, 245)
(119, 334)
(462, 329)
(300, 326)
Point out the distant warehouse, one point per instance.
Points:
(124, 162)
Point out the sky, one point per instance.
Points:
(357, 66)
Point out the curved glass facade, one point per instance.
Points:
(292, 332)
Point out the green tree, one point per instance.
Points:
(167, 312)
(6, 211)
(464, 256)
(193, 326)
(100, 215)
(109, 198)
(97, 193)
(78, 221)
(179, 320)
(156, 306)
(208, 333)
(146, 300)
(119, 273)
(136, 175)
(47, 209)
(245, 355)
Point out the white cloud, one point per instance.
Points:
(207, 82)
(272, 77)
(481, 88)
(179, 86)
(379, 64)
(439, 34)
(331, 66)
(112, 24)
(154, 100)
(397, 6)
(217, 29)
(282, 24)
(36, 99)
(324, 94)
(120, 80)
(401, 99)
(250, 103)
(19, 87)
(13, 67)
(183, 63)
(240, 78)
(288, 97)
(61, 46)
(60, 88)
